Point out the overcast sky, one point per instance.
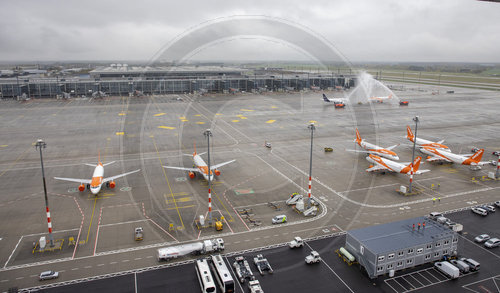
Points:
(382, 30)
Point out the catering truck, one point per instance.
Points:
(196, 248)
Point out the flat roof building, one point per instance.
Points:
(399, 245)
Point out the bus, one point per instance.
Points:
(222, 274)
(205, 278)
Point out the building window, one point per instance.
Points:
(446, 242)
(390, 256)
(428, 256)
(436, 254)
(411, 250)
(409, 261)
(438, 244)
(401, 253)
(455, 240)
(400, 263)
(381, 268)
(429, 246)
(390, 266)
(381, 258)
(420, 250)
(445, 251)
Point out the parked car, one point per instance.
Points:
(435, 215)
(497, 203)
(489, 208)
(474, 265)
(496, 153)
(482, 238)
(480, 211)
(474, 149)
(492, 243)
(493, 162)
(279, 219)
(47, 275)
(461, 265)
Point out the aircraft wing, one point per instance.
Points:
(437, 159)
(182, 168)
(356, 151)
(221, 164)
(85, 181)
(376, 168)
(119, 176)
(440, 142)
(421, 171)
(391, 147)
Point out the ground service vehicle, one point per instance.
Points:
(435, 215)
(138, 234)
(474, 265)
(296, 242)
(497, 203)
(207, 246)
(243, 270)
(279, 219)
(254, 287)
(262, 264)
(221, 274)
(479, 211)
(205, 278)
(461, 265)
(47, 275)
(313, 257)
(448, 269)
(492, 243)
(482, 238)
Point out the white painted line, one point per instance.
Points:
(32, 276)
(3, 281)
(481, 246)
(424, 277)
(87, 267)
(123, 223)
(19, 278)
(113, 262)
(404, 288)
(234, 274)
(137, 258)
(74, 269)
(135, 280)
(100, 265)
(15, 248)
(387, 283)
(416, 280)
(125, 260)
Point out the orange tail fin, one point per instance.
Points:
(194, 154)
(416, 164)
(358, 137)
(476, 158)
(409, 133)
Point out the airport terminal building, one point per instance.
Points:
(399, 245)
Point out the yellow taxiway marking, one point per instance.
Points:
(15, 162)
(270, 121)
(274, 107)
(91, 218)
(218, 114)
(120, 133)
(200, 122)
(159, 114)
(4, 145)
(54, 114)
(184, 120)
(313, 121)
(243, 117)
(168, 183)
(182, 117)
(182, 199)
(122, 114)
(235, 120)
(197, 115)
(177, 208)
(151, 136)
(246, 110)
(130, 135)
(166, 127)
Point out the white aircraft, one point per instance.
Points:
(382, 164)
(438, 155)
(374, 149)
(334, 101)
(97, 180)
(201, 167)
(380, 99)
(425, 143)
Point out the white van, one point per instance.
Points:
(279, 219)
(480, 211)
(448, 269)
(474, 265)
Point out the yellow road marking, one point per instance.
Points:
(166, 127)
(246, 110)
(182, 117)
(182, 199)
(184, 207)
(120, 133)
(4, 145)
(184, 120)
(235, 120)
(122, 114)
(91, 218)
(168, 183)
(270, 121)
(218, 114)
(200, 122)
(159, 114)
(273, 107)
(224, 206)
(243, 118)
(313, 121)
(197, 115)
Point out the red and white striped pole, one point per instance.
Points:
(411, 174)
(48, 221)
(41, 144)
(309, 194)
(208, 133)
(210, 204)
(312, 128)
(498, 168)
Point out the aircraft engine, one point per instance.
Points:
(371, 166)
(191, 175)
(216, 172)
(81, 187)
(112, 184)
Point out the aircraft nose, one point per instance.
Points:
(396, 158)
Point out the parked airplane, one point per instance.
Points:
(374, 149)
(97, 180)
(382, 164)
(438, 155)
(201, 167)
(334, 101)
(425, 143)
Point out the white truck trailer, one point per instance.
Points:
(203, 247)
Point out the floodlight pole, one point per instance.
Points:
(413, 152)
(208, 134)
(39, 145)
(312, 128)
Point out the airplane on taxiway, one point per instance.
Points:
(384, 165)
(374, 149)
